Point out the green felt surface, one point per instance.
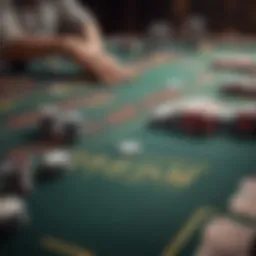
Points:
(111, 205)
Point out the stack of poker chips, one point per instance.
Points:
(13, 215)
(240, 88)
(239, 64)
(58, 126)
(54, 164)
(205, 117)
(16, 177)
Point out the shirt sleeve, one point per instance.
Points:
(73, 13)
(9, 26)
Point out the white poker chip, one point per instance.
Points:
(165, 110)
(130, 148)
(73, 117)
(12, 207)
(57, 158)
(227, 114)
(48, 110)
(249, 108)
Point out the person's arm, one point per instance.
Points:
(74, 13)
(27, 47)
(16, 45)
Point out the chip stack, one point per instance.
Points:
(165, 116)
(71, 127)
(194, 117)
(199, 121)
(13, 215)
(47, 118)
(54, 164)
(16, 176)
(234, 88)
(240, 88)
(59, 127)
(245, 121)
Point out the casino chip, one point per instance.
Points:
(16, 177)
(47, 118)
(129, 148)
(165, 115)
(245, 121)
(13, 214)
(55, 164)
(59, 127)
(226, 117)
(67, 127)
(234, 88)
(200, 117)
(72, 126)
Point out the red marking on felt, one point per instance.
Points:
(159, 97)
(91, 101)
(150, 100)
(128, 112)
(22, 120)
(93, 128)
(27, 119)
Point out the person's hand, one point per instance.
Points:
(92, 57)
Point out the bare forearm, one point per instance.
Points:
(31, 47)
(92, 33)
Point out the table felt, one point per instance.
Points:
(154, 203)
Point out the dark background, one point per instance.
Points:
(134, 15)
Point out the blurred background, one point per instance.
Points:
(232, 16)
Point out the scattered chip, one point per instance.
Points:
(130, 148)
(245, 121)
(55, 164)
(13, 214)
(47, 118)
(16, 177)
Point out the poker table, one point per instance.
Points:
(153, 203)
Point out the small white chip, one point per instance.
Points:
(48, 111)
(57, 158)
(130, 148)
(11, 207)
(164, 111)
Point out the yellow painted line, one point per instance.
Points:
(59, 246)
(184, 235)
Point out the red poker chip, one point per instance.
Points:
(198, 122)
(246, 122)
